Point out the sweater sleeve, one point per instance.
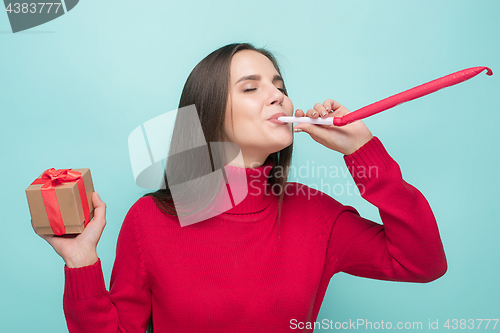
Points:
(407, 247)
(89, 307)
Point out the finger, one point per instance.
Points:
(321, 109)
(299, 113)
(314, 131)
(339, 109)
(94, 229)
(311, 113)
(328, 104)
(99, 207)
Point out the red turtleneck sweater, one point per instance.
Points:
(231, 272)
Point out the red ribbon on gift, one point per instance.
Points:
(50, 179)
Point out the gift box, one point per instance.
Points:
(60, 201)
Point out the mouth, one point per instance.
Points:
(274, 118)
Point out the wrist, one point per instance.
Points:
(358, 145)
(87, 260)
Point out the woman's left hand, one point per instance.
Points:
(344, 139)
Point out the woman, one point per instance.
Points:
(264, 264)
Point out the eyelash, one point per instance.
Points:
(252, 89)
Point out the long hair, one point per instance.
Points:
(207, 87)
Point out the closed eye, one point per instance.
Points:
(252, 89)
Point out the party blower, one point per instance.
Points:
(392, 101)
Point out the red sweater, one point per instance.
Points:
(231, 273)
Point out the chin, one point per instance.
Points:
(282, 144)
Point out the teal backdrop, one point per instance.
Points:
(72, 90)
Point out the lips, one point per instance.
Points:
(274, 118)
(276, 115)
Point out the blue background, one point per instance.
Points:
(73, 89)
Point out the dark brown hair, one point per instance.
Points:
(207, 87)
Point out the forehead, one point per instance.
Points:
(248, 62)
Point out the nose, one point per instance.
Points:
(276, 97)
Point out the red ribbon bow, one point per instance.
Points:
(50, 179)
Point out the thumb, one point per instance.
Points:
(308, 128)
(99, 208)
(318, 133)
(95, 227)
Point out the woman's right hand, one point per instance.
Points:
(346, 139)
(79, 250)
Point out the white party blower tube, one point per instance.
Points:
(317, 121)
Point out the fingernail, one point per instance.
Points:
(323, 113)
(296, 130)
(314, 113)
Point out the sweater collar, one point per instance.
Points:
(248, 188)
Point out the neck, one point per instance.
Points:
(248, 189)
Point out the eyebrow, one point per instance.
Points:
(258, 77)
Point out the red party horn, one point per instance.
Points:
(410, 94)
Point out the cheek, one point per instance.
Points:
(243, 122)
(246, 113)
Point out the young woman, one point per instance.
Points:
(264, 265)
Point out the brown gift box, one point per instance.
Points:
(70, 205)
